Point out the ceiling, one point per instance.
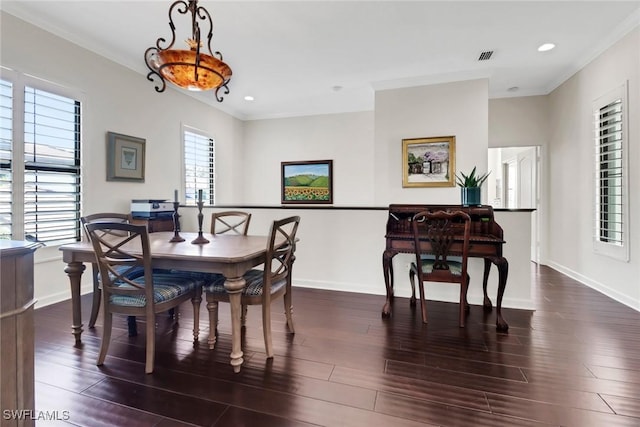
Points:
(315, 57)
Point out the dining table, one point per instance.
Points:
(229, 255)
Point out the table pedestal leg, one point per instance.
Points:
(74, 271)
(387, 269)
(234, 287)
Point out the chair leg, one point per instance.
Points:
(266, 329)
(196, 300)
(423, 304)
(243, 315)
(288, 311)
(467, 307)
(463, 300)
(176, 314)
(212, 307)
(106, 337)
(151, 343)
(412, 300)
(97, 297)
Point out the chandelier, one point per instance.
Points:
(190, 69)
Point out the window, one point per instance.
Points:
(199, 166)
(40, 161)
(611, 207)
(6, 146)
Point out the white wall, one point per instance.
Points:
(119, 100)
(571, 172)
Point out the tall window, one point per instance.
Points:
(199, 166)
(611, 228)
(40, 176)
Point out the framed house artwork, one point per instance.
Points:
(429, 162)
(125, 158)
(309, 182)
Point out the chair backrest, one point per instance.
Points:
(230, 222)
(112, 243)
(281, 247)
(104, 217)
(448, 234)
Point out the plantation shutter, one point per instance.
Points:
(6, 152)
(52, 167)
(199, 166)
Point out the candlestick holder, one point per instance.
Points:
(200, 239)
(176, 224)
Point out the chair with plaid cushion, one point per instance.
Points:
(441, 242)
(120, 249)
(262, 286)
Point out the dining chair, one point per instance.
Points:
(236, 222)
(97, 293)
(262, 286)
(445, 257)
(115, 244)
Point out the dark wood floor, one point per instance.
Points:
(575, 361)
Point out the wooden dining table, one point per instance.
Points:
(230, 255)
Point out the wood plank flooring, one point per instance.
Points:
(574, 361)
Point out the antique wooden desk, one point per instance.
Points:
(229, 255)
(486, 242)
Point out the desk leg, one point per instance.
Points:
(486, 304)
(387, 269)
(503, 271)
(234, 287)
(74, 271)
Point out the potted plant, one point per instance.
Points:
(470, 187)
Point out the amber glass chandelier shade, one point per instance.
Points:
(178, 67)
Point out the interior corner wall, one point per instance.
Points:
(459, 109)
(115, 98)
(571, 172)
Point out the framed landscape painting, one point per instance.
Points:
(429, 162)
(309, 182)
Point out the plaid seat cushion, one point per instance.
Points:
(166, 286)
(455, 267)
(254, 286)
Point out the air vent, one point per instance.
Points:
(485, 56)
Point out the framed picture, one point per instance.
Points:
(125, 158)
(429, 162)
(307, 182)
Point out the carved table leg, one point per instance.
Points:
(234, 287)
(487, 302)
(74, 271)
(503, 271)
(387, 269)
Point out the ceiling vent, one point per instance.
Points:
(485, 56)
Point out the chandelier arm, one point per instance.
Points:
(226, 91)
(153, 73)
(183, 10)
(204, 15)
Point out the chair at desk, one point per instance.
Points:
(145, 295)
(262, 286)
(436, 264)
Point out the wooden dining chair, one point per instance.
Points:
(235, 222)
(115, 245)
(441, 242)
(97, 293)
(262, 286)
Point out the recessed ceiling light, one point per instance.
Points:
(249, 98)
(545, 47)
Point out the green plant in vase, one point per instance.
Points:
(470, 187)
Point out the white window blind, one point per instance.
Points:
(199, 167)
(611, 228)
(51, 167)
(6, 159)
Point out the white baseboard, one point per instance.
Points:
(60, 296)
(611, 293)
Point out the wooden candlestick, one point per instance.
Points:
(176, 224)
(200, 239)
